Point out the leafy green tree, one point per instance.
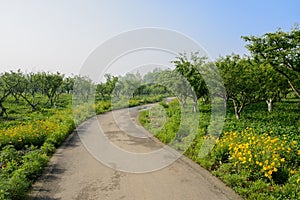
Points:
(105, 90)
(272, 85)
(281, 50)
(241, 80)
(156, 82)
(152, 77)
(67, 85)
(101, 91)
(190, 69)
(176, 84)
(5, 91)
(83, 90)
(129, 82)
(51, 86)
(110, 84)
(15, 81)
(32, 87)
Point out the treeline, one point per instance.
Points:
(32, 88)
(131, 85)
(44, 89)
(270, 73)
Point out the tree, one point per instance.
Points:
(281, 50)
(130, 82)
(272, 85)
(156, 83)
(32, 86)
(51, 86)
(16, 82)
(177, 84)
(67, 85)
(105, 90)
(190, 69)
(5, 91)
(241, 80)
(83, 90)
(110, 84)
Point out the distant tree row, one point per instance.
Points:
(131, 85)
(270, 73)
(33, 88)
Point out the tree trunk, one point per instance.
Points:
(195, 104)
(51, 102)
(3, 110)
(16, 97)
(32, 104)
(270, 104)
(183, 102)
(294, 89)
(195, 107)
(237, 114)
(237, 110)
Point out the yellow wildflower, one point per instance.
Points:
(270, 172)
(266, 161)
(264, 168)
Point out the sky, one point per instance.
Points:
(59, 35)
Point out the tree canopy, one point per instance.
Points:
(282, 51)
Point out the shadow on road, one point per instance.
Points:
(53, 172)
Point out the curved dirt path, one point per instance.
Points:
(74, 174)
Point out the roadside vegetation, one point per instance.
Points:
(37, 115)
(258, 152)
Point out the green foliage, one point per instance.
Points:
(20, 169)
(260, 163)
(105, 90)
(16, 187)
(36, 116)
(241, 80)
(151, 121)
(281, 50)
(102, 106)
(21, 165)
(190, 69)
(33, 130)
(33, 89)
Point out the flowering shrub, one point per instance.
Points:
(36, 132)
(261, 155)
(25, 151)
(26, 147)
(257, 164)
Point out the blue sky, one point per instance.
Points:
(58, 35)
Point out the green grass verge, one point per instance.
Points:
(29, 138)
(258, 155)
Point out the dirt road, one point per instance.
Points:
(76, 174)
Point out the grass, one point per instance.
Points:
(258, 155)
(29, 138)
